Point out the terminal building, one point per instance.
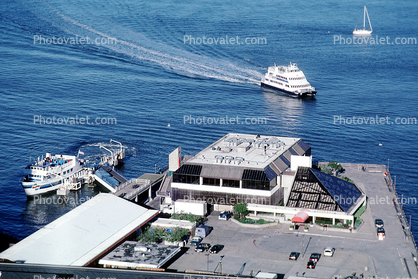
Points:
(239, 168)
(271, 174)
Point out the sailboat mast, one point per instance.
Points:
(364, 18)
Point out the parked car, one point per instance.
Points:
(311, 265)
(196, 240)
(315, 257)
(216, 248)
(294, 256)
(381, 230)
(329, 251)
(378, 223)
(225, 215)
(202, 247)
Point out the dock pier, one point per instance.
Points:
(130, 189)
(134, 188)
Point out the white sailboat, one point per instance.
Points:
(364, 31)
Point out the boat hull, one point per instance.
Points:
(362, 32)
(299, 95)
(40, 188)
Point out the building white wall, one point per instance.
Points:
(287, 182)
(191, 207)
(174, 159)
(226, 190)
(300, 161)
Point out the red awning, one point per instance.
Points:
(301, 217)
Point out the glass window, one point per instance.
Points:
(211, 181)
(230, 183)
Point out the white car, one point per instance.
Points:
(196, 240)
(329, 251)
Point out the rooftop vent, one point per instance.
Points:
(216, 148)
(142, 249)
(244, 147)
(233, 141)
(219, 158)
(261, 143)
(239, 160)
(228, 159)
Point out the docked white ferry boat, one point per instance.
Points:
(289, 80)
(50, 173)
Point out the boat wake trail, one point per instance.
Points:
(178, 61)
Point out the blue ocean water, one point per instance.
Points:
(150, 77)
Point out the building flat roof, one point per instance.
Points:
(171, 223)
(133, 254)
(83, 234)
(246, 151)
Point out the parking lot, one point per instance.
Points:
(268, 249)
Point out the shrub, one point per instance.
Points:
(347, 179)
(241, 208)
(177, 234)
(152, 235)
(186, 216)
(160, 234)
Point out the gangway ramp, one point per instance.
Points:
(133, 188)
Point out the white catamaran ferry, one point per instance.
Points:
(48, 174)
(289, 80)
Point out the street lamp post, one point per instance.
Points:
(303, 245)
(220, 264)
(207, 262)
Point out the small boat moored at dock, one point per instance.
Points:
(289, 80)
(65, 172)
(50, 173)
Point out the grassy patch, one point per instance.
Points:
(252, 221)
(185, 216)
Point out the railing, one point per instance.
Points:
(399, 209)
(164, 169)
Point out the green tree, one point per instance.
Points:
(335, 166)
(177, 234)
(242, 209)
(326, 169)
(152, 235)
